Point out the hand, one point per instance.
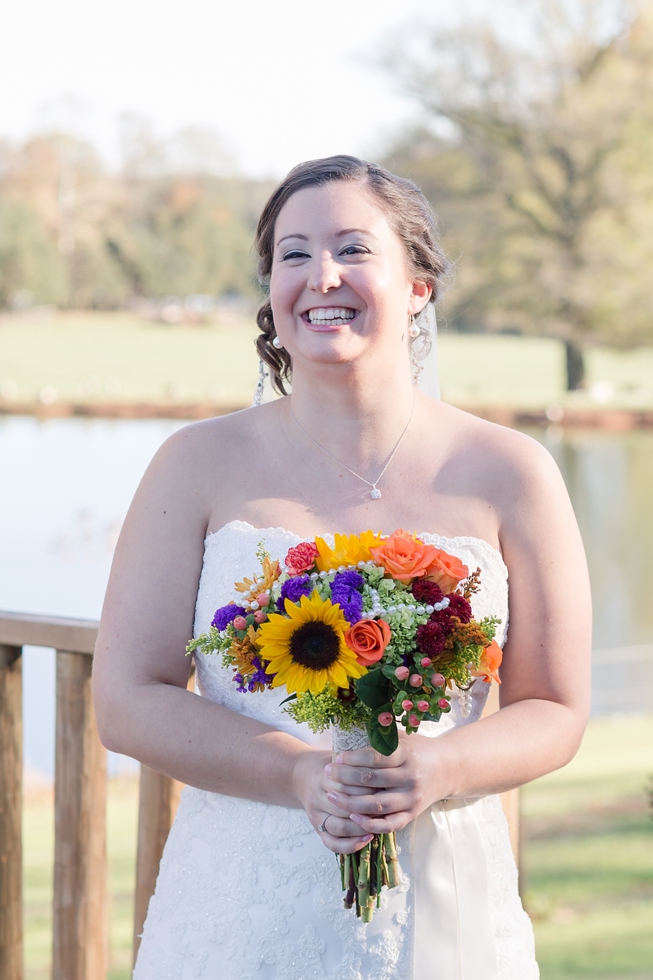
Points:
(384, 793)
(312, 786)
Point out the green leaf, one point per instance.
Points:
(432, 716)
(291, 697)
(385, 741)
(388, 670)
(373, 689)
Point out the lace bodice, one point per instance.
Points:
(230, 555)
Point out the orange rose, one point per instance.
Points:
(368, 639)
(490, 662)
(446, 570)
(404, 556)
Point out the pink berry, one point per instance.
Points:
(401, 673)
(443, 704)
(406, 705)
(385, 719)
(437, 680)
(425, 662)
(415, 680)
(260, 616)
(240, 623)
(263, 599)
(423, 705)
(413, 721)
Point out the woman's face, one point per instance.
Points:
(340, 285)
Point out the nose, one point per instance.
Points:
(324, 273)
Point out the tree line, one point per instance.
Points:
(533, 145)
(76, 235)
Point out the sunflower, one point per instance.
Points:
(348, 549)
(306, 648)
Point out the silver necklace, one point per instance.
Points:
(375, 493)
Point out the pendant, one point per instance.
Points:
(375, 493)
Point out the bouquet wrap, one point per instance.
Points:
(364, 873)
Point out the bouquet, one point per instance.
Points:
(365, 636)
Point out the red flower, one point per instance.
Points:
(431, 638)
(427, 592)
(442, 619)
(301, 558)
(460, 607)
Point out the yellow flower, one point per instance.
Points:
(307, 651)
(251, 587)
(348, 549)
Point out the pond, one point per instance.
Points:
(66, 484)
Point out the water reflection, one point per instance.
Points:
(610, 481)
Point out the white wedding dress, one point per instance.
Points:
(247, 890)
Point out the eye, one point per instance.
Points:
(296, 253)
(354, 250)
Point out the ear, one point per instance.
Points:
(420, 294)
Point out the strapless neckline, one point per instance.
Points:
(458, 540)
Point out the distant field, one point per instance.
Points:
(120, 357)
(588, 860)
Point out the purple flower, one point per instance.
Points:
(349, 579)
(226, 614)
(349, 600)
(247, 683)
(294, 588)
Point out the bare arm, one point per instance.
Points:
(545, 672)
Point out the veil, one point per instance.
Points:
(424, 352)
(423, 355)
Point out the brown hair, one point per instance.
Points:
(406, 209)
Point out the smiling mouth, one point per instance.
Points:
(330, 316)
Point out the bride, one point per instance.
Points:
(249, 886)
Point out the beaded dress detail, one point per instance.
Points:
(247, 890)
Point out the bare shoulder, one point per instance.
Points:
(203, 453)
(513, 466)
(506, 479)
(199, 441)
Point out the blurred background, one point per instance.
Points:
(138, 143)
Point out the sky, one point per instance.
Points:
(278, 80)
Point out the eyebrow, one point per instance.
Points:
(339, 234)
(303, 238)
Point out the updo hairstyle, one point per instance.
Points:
(406, 209)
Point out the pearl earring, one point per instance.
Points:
(277, 343)
(413, 328)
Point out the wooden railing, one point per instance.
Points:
(80, 921)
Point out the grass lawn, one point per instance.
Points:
(86, 357)
(588, 858)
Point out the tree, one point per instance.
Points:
(30, 266)
(542, 160)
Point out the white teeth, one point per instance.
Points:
(336, 313)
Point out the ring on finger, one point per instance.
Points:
(322, 828)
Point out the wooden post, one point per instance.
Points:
(158, 800)
(80, 927)
(11, 784)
